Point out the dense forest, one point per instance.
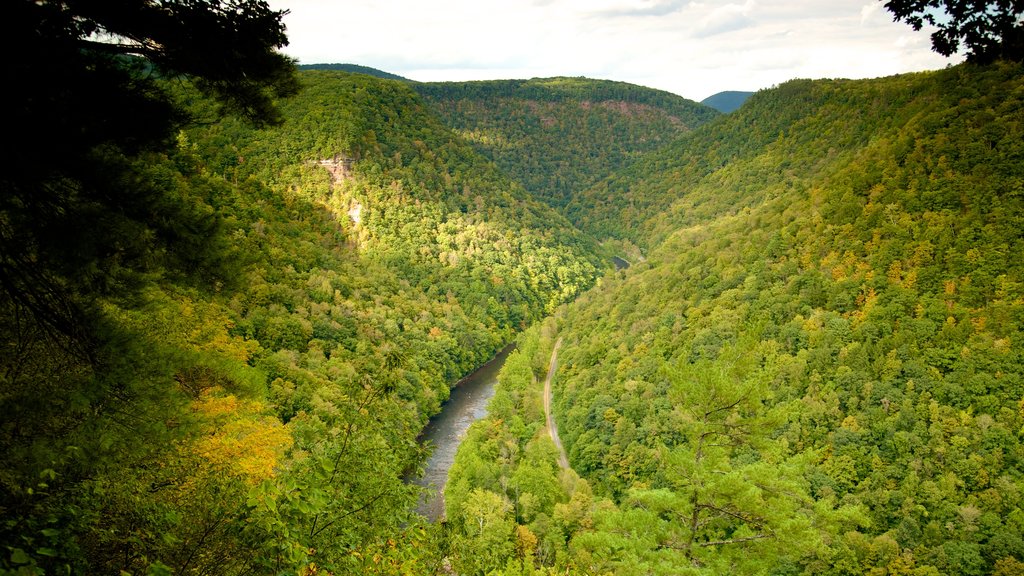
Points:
(816, 369)
(557, 136)
(361, 258)
(234, 298)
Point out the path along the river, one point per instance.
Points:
(563, 461)
(468, 403)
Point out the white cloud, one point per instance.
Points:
(692, 48)
(640, 8)
(867, 11)
(726, 18)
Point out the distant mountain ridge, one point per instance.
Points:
(559, 89)
(356, 69)
(726, 101)
(557, 136)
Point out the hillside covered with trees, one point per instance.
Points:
(251, 404)
(232, 293)
(557, 136)
(817, 368)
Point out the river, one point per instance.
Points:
(467, 404)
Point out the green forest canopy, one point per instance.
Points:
(816, 369)
(222, 339)
(557, 136)
(254, 339)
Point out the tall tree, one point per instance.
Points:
(94, 206)
(79, 214)
(989, 30)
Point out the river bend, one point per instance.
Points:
(445, 431)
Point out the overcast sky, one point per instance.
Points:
(694, 49)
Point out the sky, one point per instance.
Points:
(694, 49)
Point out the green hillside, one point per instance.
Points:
(355, 69)
(560, 135)
(736, 162)
(232, 293)
(259, 413)
(427, 200)
(817, 369)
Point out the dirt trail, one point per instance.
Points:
(563, 461)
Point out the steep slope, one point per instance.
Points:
(840, 302)
(424, 196)
(559, 135)
(262, 419)
(734, 162)
(817, 370)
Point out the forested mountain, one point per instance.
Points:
(355, 69)
(726, 101)
(259, 414)
(230, 303)
(560, 135)
(732, 163)
(410, 191)
(817, 370)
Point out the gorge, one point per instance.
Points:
(788, 338)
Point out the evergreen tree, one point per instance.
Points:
(83, 213)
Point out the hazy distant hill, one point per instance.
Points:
(559, 135)
(355, 68)
(726, 101)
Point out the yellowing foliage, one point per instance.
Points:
(850, 423)
(242, 441)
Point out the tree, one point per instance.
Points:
(95, 204)
(83, 211)
(487, 529)
(989, 30)
(227, 46)
(735, 485)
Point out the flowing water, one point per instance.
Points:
(444, 432)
